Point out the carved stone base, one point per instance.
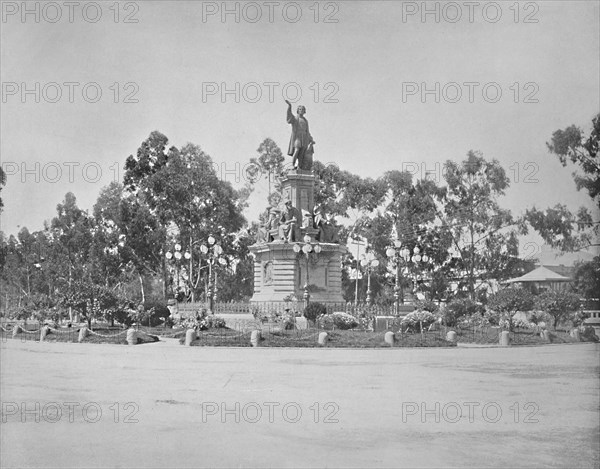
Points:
(279, 272)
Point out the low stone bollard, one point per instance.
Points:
(389, 338)
(323, 337)
(451, 336)
(504, 338)
(83, 332)
(255, 338)
(44, 332)
(131, 336)
(575, 334)
(16, 330)
(190, 336)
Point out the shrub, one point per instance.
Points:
(211, 322)
(288, 320)
(151, 313)
(460, 308)
(503, 305)
(314, 310)
(589, 333)
(339, 320)
(561, 306)
(512, 300)
(427, 305)
(203, 322)
(522, 324)
(539, 318)
(417, 321)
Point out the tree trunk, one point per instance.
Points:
(142, 288)
(472, 266)
(165, 279)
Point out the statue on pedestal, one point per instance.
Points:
(301, 142)
(307, 219)
(324, 223)
(270, 222)
(287, 223)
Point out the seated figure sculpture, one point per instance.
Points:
(288, 222)
(324, 223)
(270, 223)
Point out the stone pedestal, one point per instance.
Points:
(298, 186)
(280, 272)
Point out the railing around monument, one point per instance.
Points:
(190, 309)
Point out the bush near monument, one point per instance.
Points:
(506, 303)
(417, 321)
(561, 306)
(460, 308)
(337, 320)
(314, 310)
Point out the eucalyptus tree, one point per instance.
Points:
(558, 226)
(173, 197)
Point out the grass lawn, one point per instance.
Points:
(309, 338)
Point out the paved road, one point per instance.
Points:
(168, 406)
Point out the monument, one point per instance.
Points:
(297, 251)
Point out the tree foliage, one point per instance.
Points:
(571, 144)
(561, 305)
(558, 226)
(269, 163)
(587, 279)
(2, 184)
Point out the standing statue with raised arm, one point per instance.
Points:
(301, 142)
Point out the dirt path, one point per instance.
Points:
(165, 405)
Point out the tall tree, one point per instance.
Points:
(109, 257)
(71, 233)
(571, 144)
(2, 183)
(339, 191)
(269, 162)
(177, 192)
(559, 226)
(482, 233)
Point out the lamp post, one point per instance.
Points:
(213, 251)
(177, 255)
(416, 259)
(396, 253)
(369, 261)
(307, 247)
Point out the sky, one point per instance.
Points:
(387, 85)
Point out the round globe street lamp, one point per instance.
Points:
(307, 247)
(416, 260)
(175, 256)
(369, 261)
(213, 251)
